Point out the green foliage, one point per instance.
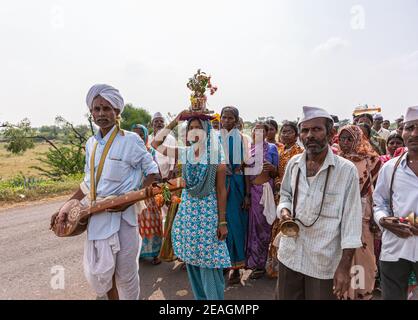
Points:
(16, 137)
(132, 115)
(62, 161)
(21, 188)
(49, 132)
(67, 159)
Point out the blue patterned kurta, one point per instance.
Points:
(194, 233)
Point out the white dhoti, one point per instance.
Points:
(116, 255)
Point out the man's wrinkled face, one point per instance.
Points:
(158, 124)
(104, 115)
(314, 135)
(410, 135)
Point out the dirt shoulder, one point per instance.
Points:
(4, 205)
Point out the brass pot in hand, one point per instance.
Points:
(289, 228)
(412, 219)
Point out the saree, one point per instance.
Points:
(285, 155)
(368, 164)
(167, 251)
(150, 229)
(236, 216)
(259, 230)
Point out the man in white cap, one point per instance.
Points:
(321, 192)
(377, 126)
(116, 160)
(395, 198)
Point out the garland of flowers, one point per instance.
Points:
(165, 197)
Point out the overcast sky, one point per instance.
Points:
(268, 57)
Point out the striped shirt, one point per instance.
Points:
(405, 201)
(317, 251)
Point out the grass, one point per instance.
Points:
(44, 189)
(11, 165)
(14, 167)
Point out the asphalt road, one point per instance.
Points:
(31, 255)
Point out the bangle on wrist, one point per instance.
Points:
(222, 223)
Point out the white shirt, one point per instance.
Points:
(384, 133)
(127, 161)
(317, 250)
(405, 201)
(165, 163)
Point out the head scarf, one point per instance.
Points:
(361, 148)
(233, 110)
(144, 131)
(364, 157)
(206, 185)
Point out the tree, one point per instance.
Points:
(132, 115)
(17, 137)
(69, 158)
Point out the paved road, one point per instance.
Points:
(29, 250)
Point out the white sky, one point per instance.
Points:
(269, 58)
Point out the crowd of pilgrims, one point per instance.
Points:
(253, 227)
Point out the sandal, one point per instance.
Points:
(156, 261)
(257, 274)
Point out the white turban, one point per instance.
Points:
(310, 113)
(411, 114)
(108, 93)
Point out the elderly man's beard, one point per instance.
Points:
(104, 122)
(314, 146)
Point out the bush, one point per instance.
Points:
(62, 162)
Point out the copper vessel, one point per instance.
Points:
(289, 228)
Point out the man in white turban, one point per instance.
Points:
(396, 198)
(321, 193)
(108, 93)
(113, 242)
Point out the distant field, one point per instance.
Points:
(11, 165)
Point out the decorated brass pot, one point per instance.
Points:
(289, 228)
